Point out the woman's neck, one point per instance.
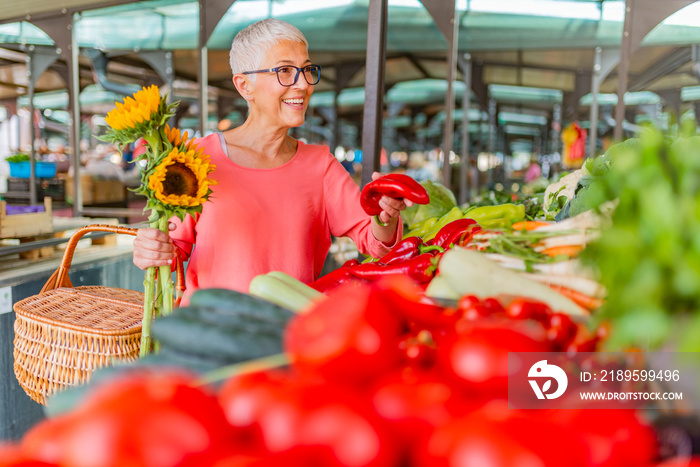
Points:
(262, 139)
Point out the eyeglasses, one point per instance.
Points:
(287, 76)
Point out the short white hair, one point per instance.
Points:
(252, 43)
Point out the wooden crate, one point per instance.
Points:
(26, 225)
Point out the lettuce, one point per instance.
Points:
(441, 201)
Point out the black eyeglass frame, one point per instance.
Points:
(296, 77)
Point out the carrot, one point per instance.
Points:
(582, 300)
(568, 250)
(529, 225)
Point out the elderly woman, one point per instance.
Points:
(278, 200)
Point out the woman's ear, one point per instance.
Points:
(243, 85)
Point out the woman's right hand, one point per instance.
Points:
(153, 248)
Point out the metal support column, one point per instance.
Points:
(493, 115)
(605, 61)
(203, 75)
(443, 13)
(32, 130)
(210, 13)
(641, 16)
(622, 70)
(62, 31)
(465, 63)
(374, 88)
(74, 73)
(450, 102)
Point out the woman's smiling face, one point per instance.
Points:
(283, 106)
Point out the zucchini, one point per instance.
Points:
(279, 292)
(296, 284)
(236, 302)
(210, 340)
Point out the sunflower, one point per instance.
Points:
(136, 110)
(181, 178)
(179, 140)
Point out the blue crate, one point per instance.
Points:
(42, 169)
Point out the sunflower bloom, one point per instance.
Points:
(181, 178)
(178, 139)
(136, 110)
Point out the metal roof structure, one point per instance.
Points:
(527, 63)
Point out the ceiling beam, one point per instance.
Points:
(665, 66)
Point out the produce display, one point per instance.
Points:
(403, 360)
(376, 377)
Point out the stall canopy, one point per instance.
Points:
(527, 56)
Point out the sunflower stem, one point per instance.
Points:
(148, 303)
(165, 276)
(149, 289)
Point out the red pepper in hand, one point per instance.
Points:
(421, 269)
(452, 232)
(394, 186)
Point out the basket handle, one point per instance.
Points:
(60, 277)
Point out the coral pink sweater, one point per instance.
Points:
(279, 219)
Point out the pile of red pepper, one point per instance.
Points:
(378, 377)
(411, 256)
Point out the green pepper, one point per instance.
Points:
(454, 214)
(501, 223)
(511, 212)
(422, 228)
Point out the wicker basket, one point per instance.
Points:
(63, 334)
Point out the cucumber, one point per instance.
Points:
(296, 284)
(279, 292)
(225, 299)
(210, 340)
(242, 321)
(168, 356)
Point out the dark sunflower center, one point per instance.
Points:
(179, 180)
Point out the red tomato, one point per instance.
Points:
(478, 440)
(694, 462)
(613, 438)
(408, 302)
(352, 336)
(155, 419)
(477, 359)
(244, 398)
(414, 403)
(341, 427)
(523, 308)
(467, 302)
(561, 330)
(13, 456)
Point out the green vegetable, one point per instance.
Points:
(231, 301)
(19, 157)
(509, 213)
(282, 292)
(470, 272)
(228, 344)
(296, 284)
(441, 201)
(454, 214)
(421, 228)
(649, 259)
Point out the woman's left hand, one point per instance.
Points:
(391, 207)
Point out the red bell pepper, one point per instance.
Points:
(407, 248)
(421, 269)
(452, 232)
(335, 278)
(393, 186)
